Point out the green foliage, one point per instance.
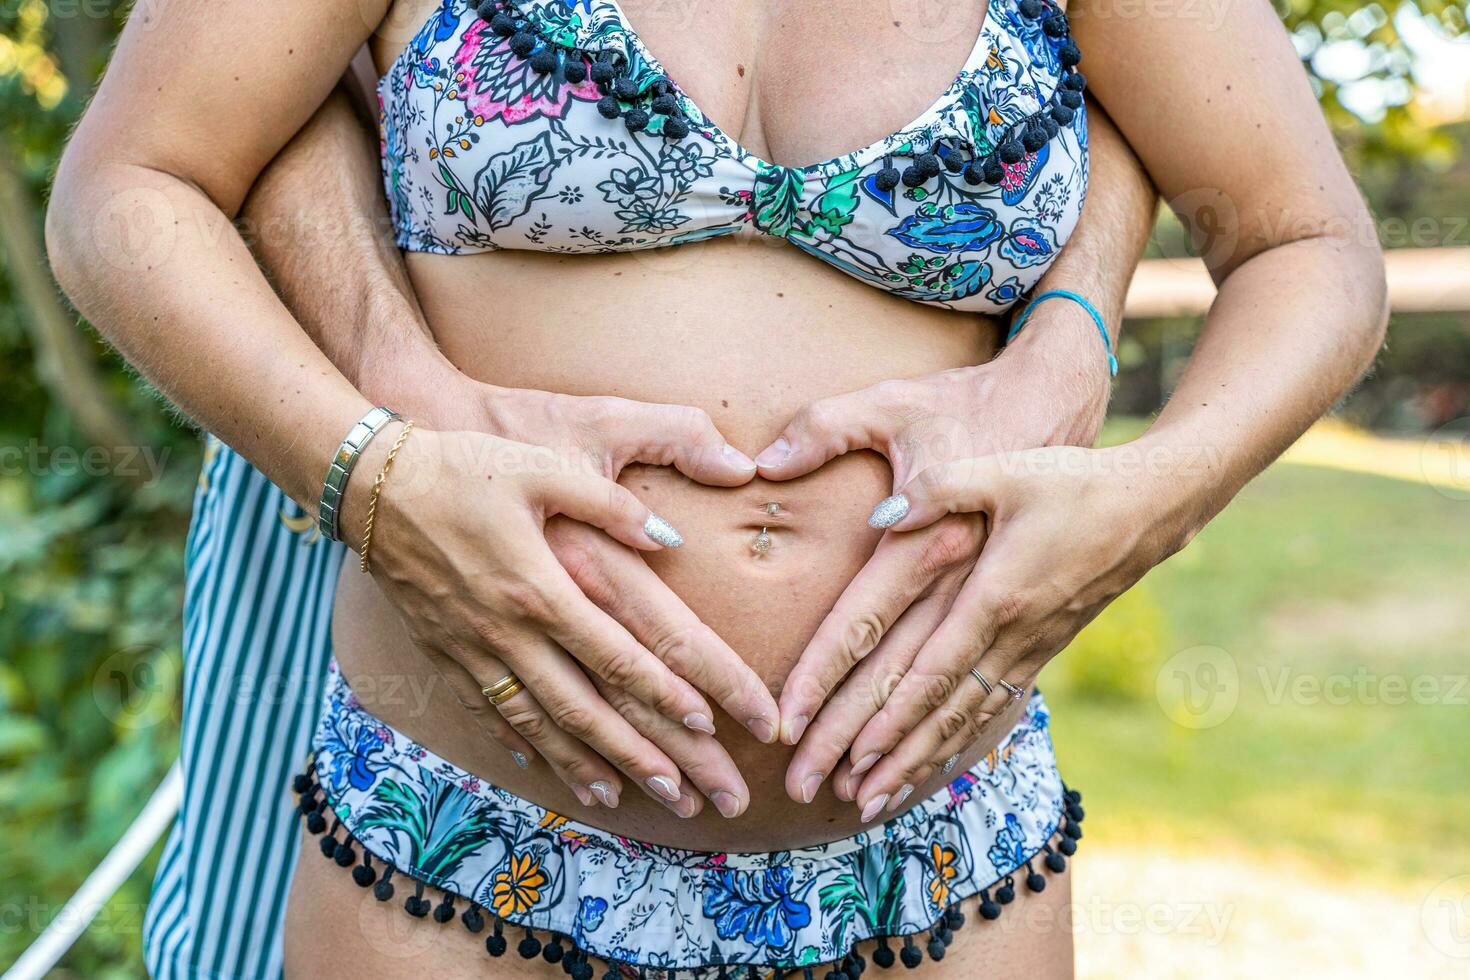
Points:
(1117, 656)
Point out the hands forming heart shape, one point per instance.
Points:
(1005, 536)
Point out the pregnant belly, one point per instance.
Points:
(762, 563)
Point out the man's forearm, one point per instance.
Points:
(1097, 262)
(318, 224)
(1100, 257)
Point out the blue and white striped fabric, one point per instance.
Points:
(257, 618)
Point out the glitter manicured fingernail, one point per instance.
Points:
(520, 759)
(889, 512)
(660, 531)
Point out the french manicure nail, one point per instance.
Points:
(775, 454)
(699, 723)
(736, 458)
(665, 787)
(874, 805)
(795, 729)
(902, 795)
(762, 729)
(849, 788)
(727, 803)
(660, 531)
(604, 792)
(810, 785)
(889, 512)
(520, 759)
(583, 794)
(865, 763)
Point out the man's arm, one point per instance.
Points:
(1097, 262)
(317, 221)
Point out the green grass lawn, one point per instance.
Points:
(1334, 594)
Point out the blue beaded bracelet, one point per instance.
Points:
(1097, 320)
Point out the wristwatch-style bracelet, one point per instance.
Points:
(335, 485)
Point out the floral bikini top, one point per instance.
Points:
(546, 125)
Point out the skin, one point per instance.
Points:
(1301, 310)
(176, 316)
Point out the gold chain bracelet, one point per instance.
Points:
(378, 481)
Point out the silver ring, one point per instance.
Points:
(1016, 692)
(949, 764)
(975, 673)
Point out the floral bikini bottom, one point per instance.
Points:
(406, 820)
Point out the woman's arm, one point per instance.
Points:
(1048, 387)
(317, 221)
(1224, 121)
(198, 99)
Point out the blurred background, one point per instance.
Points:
(1271, 730)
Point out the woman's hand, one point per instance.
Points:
(460, 547)
(1049, 388)
(1070, 529)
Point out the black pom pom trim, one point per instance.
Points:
(675, 128)
(522, 44)
(886, 179)
(636, 119)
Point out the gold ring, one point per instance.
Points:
(503, 690)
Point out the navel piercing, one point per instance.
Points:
(762, 542)
(773, 508)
